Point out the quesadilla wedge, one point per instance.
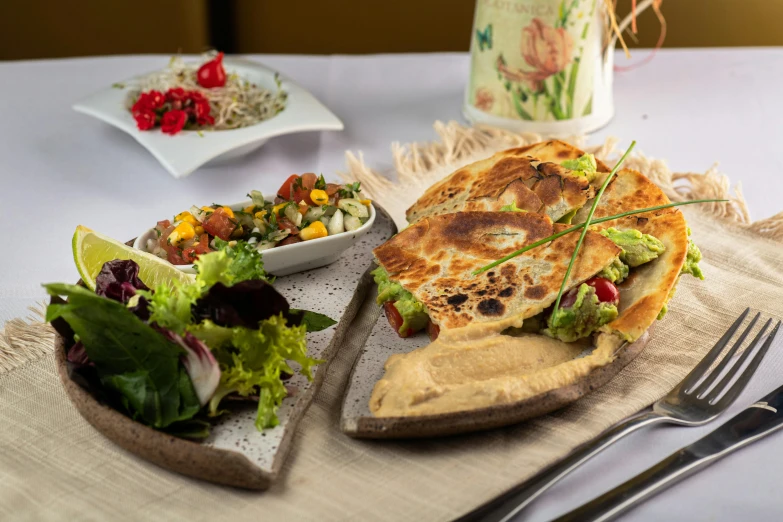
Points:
(434, 259)
(644, 293)
(527, 178)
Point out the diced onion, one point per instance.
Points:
(199, 214)
(354, 207)
(335, 225)
(324, 220)
(260, 225)
(292, 213)
(278, 235)
(313, 214)
(257, 197)
(352, 223)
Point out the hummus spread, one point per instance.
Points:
(474, 367)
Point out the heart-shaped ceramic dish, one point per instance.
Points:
(236, 453)
(188, 150)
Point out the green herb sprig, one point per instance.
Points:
(562, 233)
(587, 226)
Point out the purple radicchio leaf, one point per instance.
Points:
(119, 280)
(199, 362)
(77, 356)
(246, 303)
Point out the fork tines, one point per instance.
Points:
(704, 390)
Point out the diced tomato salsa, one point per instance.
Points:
(304, 208)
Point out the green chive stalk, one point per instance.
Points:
(587, 226)
(562, 233)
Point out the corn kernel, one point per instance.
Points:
(249, 210)
(365, 202)
(228, 211)
(313, 231)
(319, 197)
(186, 217)
(181, 232)
(208, 210)
(260, 214)
(199, 230)
(276, 208)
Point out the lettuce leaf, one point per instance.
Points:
(313, 321)
(230, 265)
(171, 304)
(130, 356)
(251, 361)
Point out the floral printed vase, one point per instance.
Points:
(540, 66)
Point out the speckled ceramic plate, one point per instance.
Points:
(357, 421)
(236, 453)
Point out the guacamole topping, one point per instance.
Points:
(583, 166)
(512, 208)
(638, 248)
(691, 265)
(665, 308)
(568, 217)
(414, 314)
(585, 316)
(616, 272)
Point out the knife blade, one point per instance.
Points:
(761, 418)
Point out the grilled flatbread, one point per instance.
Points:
(556, 151)
(434, 260)
(529, 177)
(648, 288)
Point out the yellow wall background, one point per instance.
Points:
(56, 28)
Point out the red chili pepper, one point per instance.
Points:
(212, 74)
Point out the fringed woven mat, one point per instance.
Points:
(54, 466)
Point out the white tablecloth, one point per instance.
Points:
(59, 169)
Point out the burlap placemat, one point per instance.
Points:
(54, 466)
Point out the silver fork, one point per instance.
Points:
(690, 403)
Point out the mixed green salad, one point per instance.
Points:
(169, 356)
(306, 207)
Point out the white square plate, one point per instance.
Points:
(186, 151)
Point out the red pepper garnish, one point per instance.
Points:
(212, 74)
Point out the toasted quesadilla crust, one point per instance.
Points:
(536, 183)
(555, 151)
(434, 260)
(647, 288)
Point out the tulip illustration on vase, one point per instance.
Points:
(548, 81)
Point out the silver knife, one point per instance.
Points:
(751, 424)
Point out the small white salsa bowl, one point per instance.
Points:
(288, 259)
(188, 150)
